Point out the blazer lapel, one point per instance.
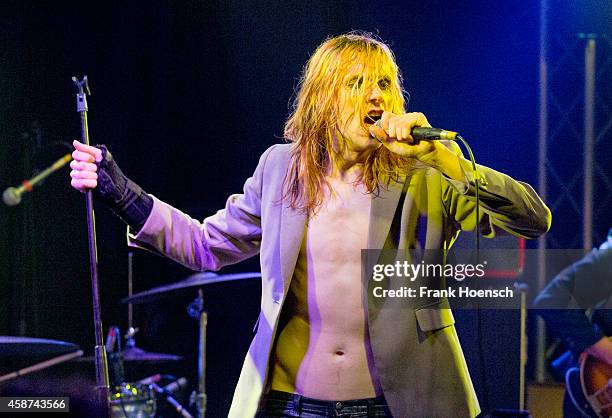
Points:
(291, 233)
(381, 215)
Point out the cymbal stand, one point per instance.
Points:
(130, 341)
(196, 310)
(130, 287)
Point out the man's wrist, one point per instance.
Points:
(445, 161)
(125, 198)
(135, 207)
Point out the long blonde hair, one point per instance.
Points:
(315, 115)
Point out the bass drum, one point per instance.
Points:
(133, 401)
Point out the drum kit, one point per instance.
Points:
(131, 399)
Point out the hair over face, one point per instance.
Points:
(355, 61)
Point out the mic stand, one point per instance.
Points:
(102, 384)
(196, 310)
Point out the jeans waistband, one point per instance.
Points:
(292, 402)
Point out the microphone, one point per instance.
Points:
(174, 386)
(12, 195)
(167, 391)
(421, 133)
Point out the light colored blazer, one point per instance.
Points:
(417, 353)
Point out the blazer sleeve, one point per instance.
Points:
(229, 236)
(505, 203)
(581, 286)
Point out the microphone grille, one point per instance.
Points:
(11, 196)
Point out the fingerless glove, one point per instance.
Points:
(125, 198)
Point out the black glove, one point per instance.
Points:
(126, 199)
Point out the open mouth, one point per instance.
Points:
(372, 117)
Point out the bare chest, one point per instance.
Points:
(339, 230)
(323, 351)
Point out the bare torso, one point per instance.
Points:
(322, 350)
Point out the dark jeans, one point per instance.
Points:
(284, 405)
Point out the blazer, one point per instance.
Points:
(417, 353)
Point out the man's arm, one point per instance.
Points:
(563, 301)
(229, 236)
(95, 168)
(504, 202)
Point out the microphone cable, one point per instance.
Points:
(479, 325)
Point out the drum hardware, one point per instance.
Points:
(195, 280)
(115, 360)
(196, 310)
(138, 400)
(131, 351)
(36, 347)
(139, 355)
(167, 391)
(133, 401)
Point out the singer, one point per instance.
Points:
(340, 185)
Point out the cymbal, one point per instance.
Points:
(136, 354)
(34, 347)
(195, 280)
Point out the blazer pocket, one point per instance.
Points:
(434, 316)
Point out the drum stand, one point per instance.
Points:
(133, 352)
(195, 310)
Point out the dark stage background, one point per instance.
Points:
(187, 95)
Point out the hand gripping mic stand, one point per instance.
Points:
(102, 381)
